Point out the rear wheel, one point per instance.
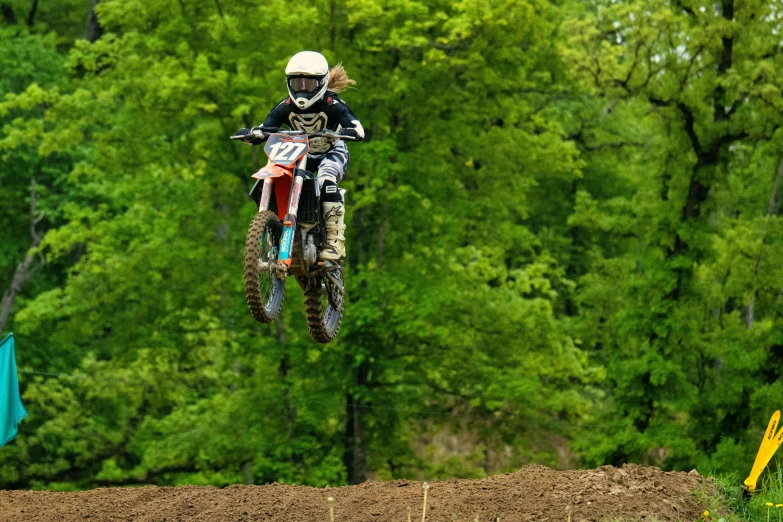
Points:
(264, 291)
(324, 299)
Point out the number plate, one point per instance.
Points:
(286, 150)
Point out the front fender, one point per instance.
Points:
(270, 170)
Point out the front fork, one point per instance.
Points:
(289, 223)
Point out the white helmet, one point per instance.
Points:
(307, 76)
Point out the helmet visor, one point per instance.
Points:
(305, 84)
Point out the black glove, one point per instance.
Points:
(256, 140)
(250, 137)
(244, 131)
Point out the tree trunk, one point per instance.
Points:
(707, 156)
(357, 246)
(332, 25)
(382, 233)
(750, 311)
(20, 276)
(22, 272)
(355, 457)
(93, 31)
(8, 14)
(32, 13)
(283, 369)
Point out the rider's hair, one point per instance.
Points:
(338, 79)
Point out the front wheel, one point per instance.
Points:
(264, 290)
(324, 299)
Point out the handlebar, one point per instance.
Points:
(258, 133)
(334, 135)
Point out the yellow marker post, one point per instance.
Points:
(769, 445)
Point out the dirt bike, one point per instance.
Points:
(287, 235)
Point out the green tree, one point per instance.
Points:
(688, 349)
(564, 230)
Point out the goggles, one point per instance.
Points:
(305, 84)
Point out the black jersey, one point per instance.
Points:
(328, 113)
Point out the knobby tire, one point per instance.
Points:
(264, 310)
(323, 320)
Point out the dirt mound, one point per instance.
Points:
(535, 493)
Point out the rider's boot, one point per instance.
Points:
(334, 216)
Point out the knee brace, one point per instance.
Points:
(330, 193)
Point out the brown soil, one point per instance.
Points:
(535, 493)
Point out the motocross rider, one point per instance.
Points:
(312, 105)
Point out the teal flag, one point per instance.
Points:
(11, 409)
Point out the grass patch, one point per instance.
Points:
(733, 505)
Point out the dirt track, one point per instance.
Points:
(535, 493)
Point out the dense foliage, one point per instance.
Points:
(565, 239)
